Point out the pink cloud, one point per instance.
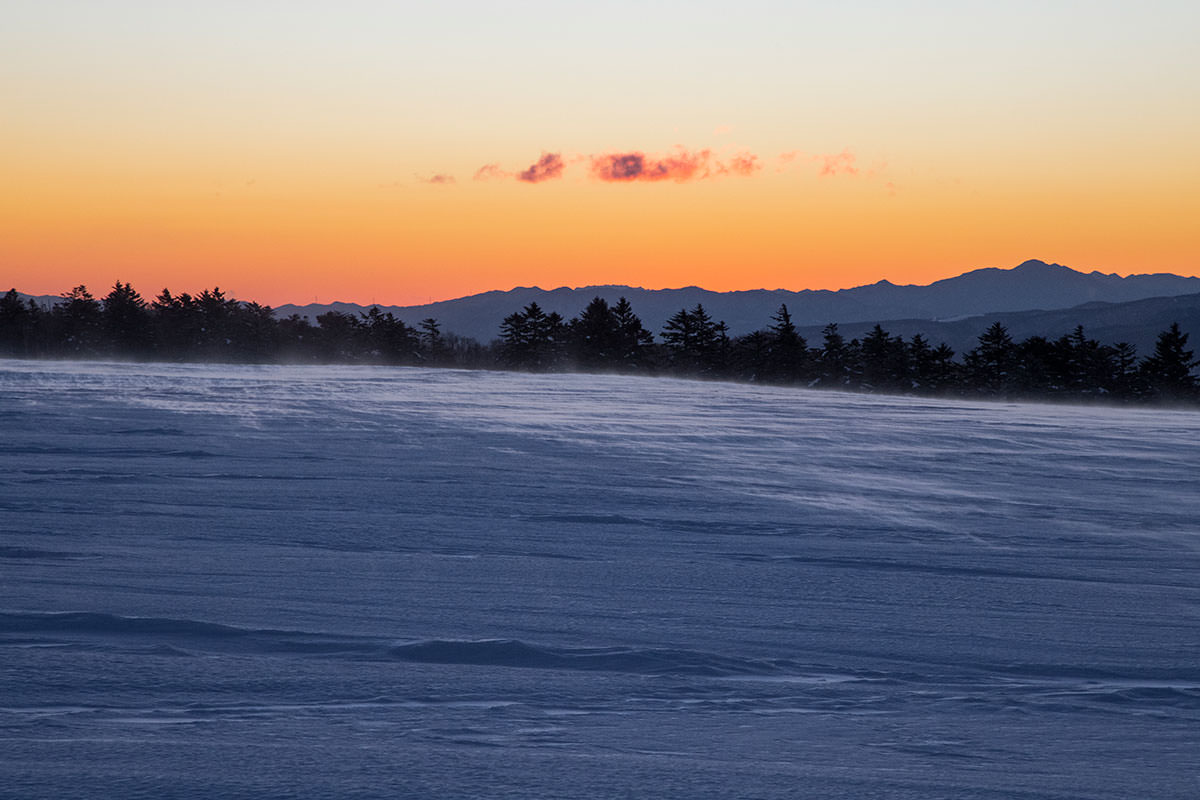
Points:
(637, 166)
(743, 163)
(548, 167)
(828, 164)
(490, 172)
(681, 165)
(837, 163)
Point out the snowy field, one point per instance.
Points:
(368, 582)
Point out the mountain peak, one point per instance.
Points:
(1037, 264)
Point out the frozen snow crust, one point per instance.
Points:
(370, 582)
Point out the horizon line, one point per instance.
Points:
(516, 288)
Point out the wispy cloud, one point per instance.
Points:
(439, 179)
(842, 163)
(741, 164)
(827, 164)
(491, 172)
(548, 167)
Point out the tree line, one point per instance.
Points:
(212, 327)
(694, 344)
(603, 337)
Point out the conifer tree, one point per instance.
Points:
(77, 323)
(634, 342)
(885, 361)
(595, 336)
(389, 339)
(787, 357)
(834, 358)
(1126, 378)
(127, 323)
(695, 344)
(532, 339)
(990, 366)
(18, 326)
(1168, 371)
(433, 345)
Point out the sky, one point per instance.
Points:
(402, 152)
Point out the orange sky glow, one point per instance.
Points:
(311, 165)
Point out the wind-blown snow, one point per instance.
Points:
(265, 581)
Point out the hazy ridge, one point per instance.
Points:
(1033, 285)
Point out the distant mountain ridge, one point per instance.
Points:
(949, 308)
(1032, 285)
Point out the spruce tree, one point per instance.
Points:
(77, 323)
(1168, 372)
(595, 336)
(634, 342)
(127, 323)
(787, 357)
(990, 366)
(18, 322)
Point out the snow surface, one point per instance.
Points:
(366, 582)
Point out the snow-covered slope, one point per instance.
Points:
(269, 581)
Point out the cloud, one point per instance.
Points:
(828, 164)
(741, 164)
(491, 172)
(440, 179)
(681, 166)
(548, 167)
(838, 163)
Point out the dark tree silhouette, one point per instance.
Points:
(1127, 380)
(695, 344)
(78, 323)
(932, 369)
(834, 359)
(390, 340)
(787, 354)
(1038, 367)
(255, 334)
(127, 323)
(1168, 371)
(177, 325)
(990, 366)
(433, 344)
(533, 340)
(19, 323)
(595, 336)
(634, 342)
(884, 362)
(339, 337)
(750, 357)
